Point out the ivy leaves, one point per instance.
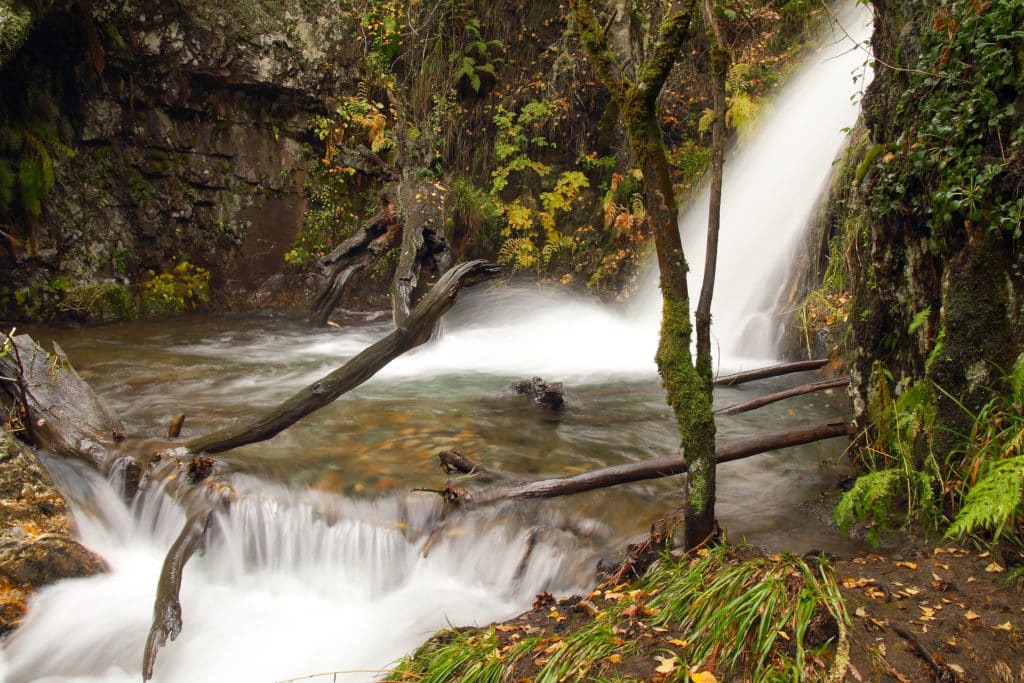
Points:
(959, 159)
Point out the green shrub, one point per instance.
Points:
(182, 289)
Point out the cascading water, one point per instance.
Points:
(771, 187)
(307, 575)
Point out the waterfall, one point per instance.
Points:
(771, 186)
(296, 582)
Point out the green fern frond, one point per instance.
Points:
(519, 252)
(706, 119)
(1016, 379)
(742, 112)
(738, 79)
(877, 496)
(994, 503)
(555, 245)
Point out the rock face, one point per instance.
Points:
(162, 132)
(929, 217)
(36, 542)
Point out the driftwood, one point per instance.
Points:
(760, 401)
(416, 330)
(653, 468)
(167, 609)
(773, 371)
(330, 296)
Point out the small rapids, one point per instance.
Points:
(294, 583)
(318, 567)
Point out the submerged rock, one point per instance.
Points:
(37, 545)
(547, 394)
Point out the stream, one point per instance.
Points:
(318, 568)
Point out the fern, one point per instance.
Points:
(556, 244)
(706, 119)
(876, 496)
(994, 503)
(519, 252)
(738, 79)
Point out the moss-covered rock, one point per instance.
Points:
(37, 544)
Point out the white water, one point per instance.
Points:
(771, 188)
(296, 583)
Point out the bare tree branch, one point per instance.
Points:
(414, 331)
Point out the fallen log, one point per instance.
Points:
(761, 401)
(60, 412)
(773, 371)
(415, 330)
(654, 468)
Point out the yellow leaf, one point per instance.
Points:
(615, 659)
(679, 643)
(971, 615)
(1005, 626)
(702, 677)
(783, 634)
(861, 612)
(667, 666)
(994, 568)
(908, 565)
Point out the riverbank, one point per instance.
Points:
(921, 611)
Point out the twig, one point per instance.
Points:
(941, 672)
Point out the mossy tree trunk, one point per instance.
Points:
(687, 380)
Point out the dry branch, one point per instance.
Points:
(653, 468)
(416, 330)
(350, 257)
(167, 609)
(761, 401)
(773, 371)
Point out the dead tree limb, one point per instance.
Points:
(773, 371)
(167, 609)
(330, 296)
(654, 468)
(415, 330)
(760, 401)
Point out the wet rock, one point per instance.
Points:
(547, 394)
(37, 546)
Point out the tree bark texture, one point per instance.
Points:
(62, 413)
(687, 384)
(424, 242)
